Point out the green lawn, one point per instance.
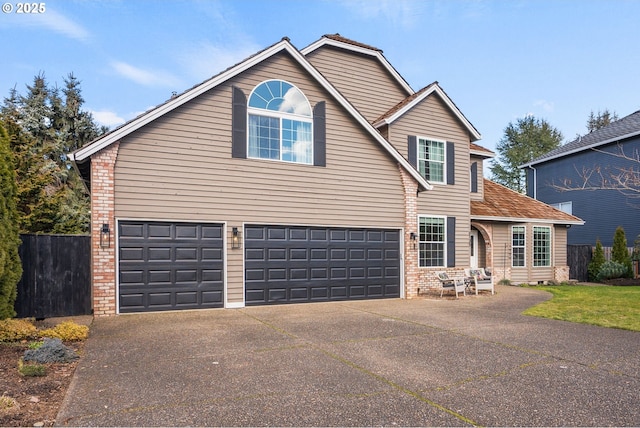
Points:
(612, 306)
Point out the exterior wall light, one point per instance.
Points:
(413, 238)
(235, 238)
(105, 236)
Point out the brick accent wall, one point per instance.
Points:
(561, 273)
(103, 260)
(411, 270)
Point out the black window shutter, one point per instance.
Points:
(239, 123)
(474, 177)
(412, 150)
(319, 134)
(451, 173)
(451, 241)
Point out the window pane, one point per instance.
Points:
(264, 137)
(541, 246)
(431, 158)
(432, 241)
(517, 246)
(296, 141)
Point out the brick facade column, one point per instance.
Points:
(103, 259)
(411, 268)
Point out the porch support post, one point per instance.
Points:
(411, 268)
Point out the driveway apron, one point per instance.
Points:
(421, 362)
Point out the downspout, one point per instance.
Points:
(535, 182)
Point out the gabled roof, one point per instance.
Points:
(284, 45)
(411, 101)
(503, 204)
(478, 150)
(627, 127)
(336, 40)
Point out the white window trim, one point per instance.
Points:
(444, 162)
(533, 253)
(280, 116)
(560, 205)
(523, 246)
(444, 256)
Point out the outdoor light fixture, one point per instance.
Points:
(413, 237)
(105, 236)
(235, 238)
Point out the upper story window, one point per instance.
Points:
(566, 207)
(431, 160)
(280, 122)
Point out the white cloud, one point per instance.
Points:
(57, 22)
(205, 59)
(146, 77)
(547, 106)
(107, 118)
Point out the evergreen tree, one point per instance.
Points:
(44, 128)
(619, 252)
(601, 120)
(522, 142)
(596, 261)
(10, 265)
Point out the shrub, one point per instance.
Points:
(636, 249)
(67, 330)
(612, 270)
(31, 370)
(619, 252)
(51, 351)
(10, 265)
(13, 330)
(596, 261)
(8, 404)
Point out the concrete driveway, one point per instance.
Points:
(424, 362)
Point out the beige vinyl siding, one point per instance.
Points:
(362, 79)
(433, 119)
(529, 273)
(180, 168)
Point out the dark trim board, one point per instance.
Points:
(291, 264)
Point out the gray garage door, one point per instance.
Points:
(289, 264)
(168, 266)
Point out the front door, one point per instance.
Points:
(473, 248)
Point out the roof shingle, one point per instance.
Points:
(501, 202)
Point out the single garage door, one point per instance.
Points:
(169, 266)
(290, 264)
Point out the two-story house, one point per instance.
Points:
(300, 176)
(581, 178)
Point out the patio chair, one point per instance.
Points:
(481, 281)
(447, 283)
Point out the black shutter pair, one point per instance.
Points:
(412, 142)
(239, 128)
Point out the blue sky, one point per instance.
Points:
(498, 60)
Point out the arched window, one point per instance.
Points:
(280, 122)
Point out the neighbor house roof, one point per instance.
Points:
(503, 204)
(412, 100)
(627, 127)
(336, 40)
(84, 153)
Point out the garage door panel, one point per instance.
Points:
(293, 264)
(168, 266)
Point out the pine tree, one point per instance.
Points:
(10, 265)
(619, 252)
(596, 261)
(44, 128)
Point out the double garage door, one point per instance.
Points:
(170, 266)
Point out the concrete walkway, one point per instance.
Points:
(424, 362)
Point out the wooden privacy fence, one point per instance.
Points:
(579, 256)
(56, 277)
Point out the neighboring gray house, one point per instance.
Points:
(595, 155)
